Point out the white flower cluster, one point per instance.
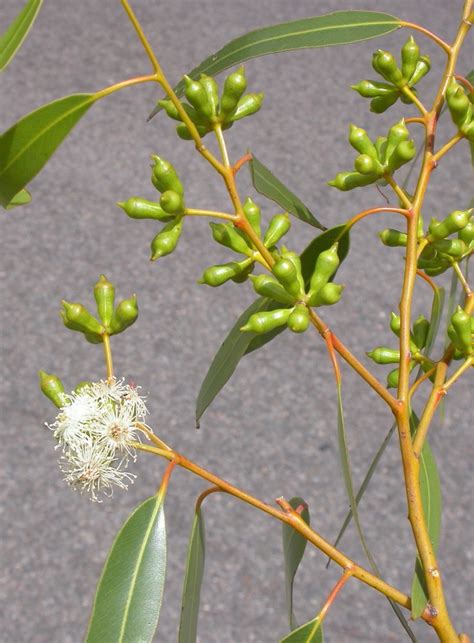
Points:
(94, 428)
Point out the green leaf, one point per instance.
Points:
(27, 146)
(129, 594)
(238, 344)
(193, 580)
(14, 36)
(338, 28)
(346, 469)
(271, 187)
(307, 633)
(227, 357)
(22, 198)
(435, 319)
(293, 549)
(430, 488)
(365, 483)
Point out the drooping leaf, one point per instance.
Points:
(435, 319)
(347, 474)
(293, 549)
(227, 358)
(338, 28)
(271, 187)
(307, 633)
(28, 145)
(129, 594)
(365, 483)
(238, 344)
(14, 36)
(192, 581)
(22, 198)
(430, 489)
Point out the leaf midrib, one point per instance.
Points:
(137, 567)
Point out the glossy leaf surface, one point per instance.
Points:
(307, 633)
(271, 187)
(293, 549)
(128, 599)
(430, 488)
(338, 28)
(27, 146)
(14, 36)
(193, 581)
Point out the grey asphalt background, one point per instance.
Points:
(273, 428)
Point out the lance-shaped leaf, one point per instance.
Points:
(310, 632)
(338, 28)
(271, 187)
(294, 545)
(27, 146)
(430, 489)
(128, 599)
(14, 36)
(238, 344)
(193, 581)
(22, 198)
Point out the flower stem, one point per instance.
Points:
(108, 357)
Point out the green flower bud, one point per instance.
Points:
(137, 208)
(218, 275)
(328, 295)
(461, 322)
(52, 387)
(170, 109)
(345, 181)
(368, 165)
(212, 91)
(393, 238)
(248, 266)
(467, 233)
(360, 141)
(396, 134)
(198, 97)
(234, 87)
(421, 329)
(410, 55)
(326, 265)
(185, 134)
(422, 67)
(452, 247)
(247, 105)
(124, 316)
(384, 64)
(372, 89)
(172, 202)
(380, 104)
(395, 323)
(381, 147)
(459, 105)
(104, 294)
(167, 239)
(454, 222)
(85, 384)
(394, 376)
(253, 215)
(264, 322)
(438, 270)
(164, 176)
(227, 235)
(468, 130)
(287, 274)
(453, 336)
(298, 321)
(383, 355)
(267, 286)
(77, 317)
(278, 227)
(403, 153)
